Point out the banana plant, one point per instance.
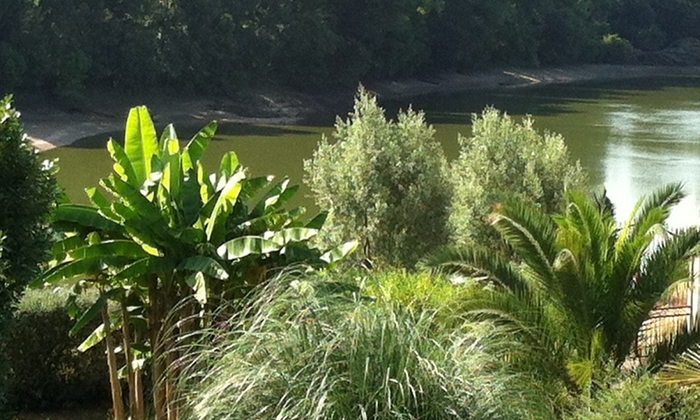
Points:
(160, 231)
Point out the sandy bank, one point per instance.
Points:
(52, 124)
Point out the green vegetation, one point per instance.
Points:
(384, 183)
(213, 296)
(49, 373)
(578, 288)
(63, 46)
(640, 397)
(304, 351)
(28, 192)
(522, 165)
(171, 240)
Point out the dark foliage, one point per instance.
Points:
(64, 46)
(48, 373)
(28, 192)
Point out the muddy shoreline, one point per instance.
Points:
(50, 123)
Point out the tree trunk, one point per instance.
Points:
(140, 407)
(130, 374)
(155, 324)
(117, 403)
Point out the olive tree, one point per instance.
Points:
(28, 191)
(504, 160)
(384, 182)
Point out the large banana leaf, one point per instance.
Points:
(275, 197)
(102, 203)
(339, 253)
(123, 248)
(140, 144)
(122, 164)
(62, 247)
(138, 270)
(224, 203)
(229, 164)
(79, 269)
(318, 221)
(172, 176)
(85, 216)
(205, 265)
(247, 245)
(195, 148)
(285, 236)
(94, 310)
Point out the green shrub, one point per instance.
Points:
(48, 370)
(502, 161)
(616, 50)
(421, 291)
(28, 192)
(303, 352)
(641, 398)
(384, 183)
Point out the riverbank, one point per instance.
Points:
(53, 123)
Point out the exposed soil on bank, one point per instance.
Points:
(52, 122)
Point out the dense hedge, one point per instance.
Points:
(48, 372)
(221, 45)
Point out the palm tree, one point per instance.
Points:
(576, 287)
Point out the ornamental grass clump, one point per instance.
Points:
(314, 348)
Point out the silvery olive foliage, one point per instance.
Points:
(384, 182)
(504, 160)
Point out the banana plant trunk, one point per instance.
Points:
(136, 412)
(140, 403)
(117, 402)
(158, 372)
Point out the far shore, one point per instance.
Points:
(51, 124)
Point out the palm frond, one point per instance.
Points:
(684, 371)
(539, 225)
(529, 250)
(543, 333)
(677, 342)
(475, 262)
(661, 268)
(656, 207)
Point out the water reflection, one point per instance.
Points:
(651, 145)
(631, 137)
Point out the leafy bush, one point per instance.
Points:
(27, 194)
(418, 292)
(503, 161)
(48, 370)
(304, 349)
(4, 363)
(384, 183)
(616, 50)
(641, 398)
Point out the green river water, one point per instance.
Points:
(631, 137)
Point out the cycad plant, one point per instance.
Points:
(576, 287)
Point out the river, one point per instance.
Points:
(630, 136)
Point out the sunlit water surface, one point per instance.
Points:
(630, 136)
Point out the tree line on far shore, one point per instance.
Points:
(66, 46)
